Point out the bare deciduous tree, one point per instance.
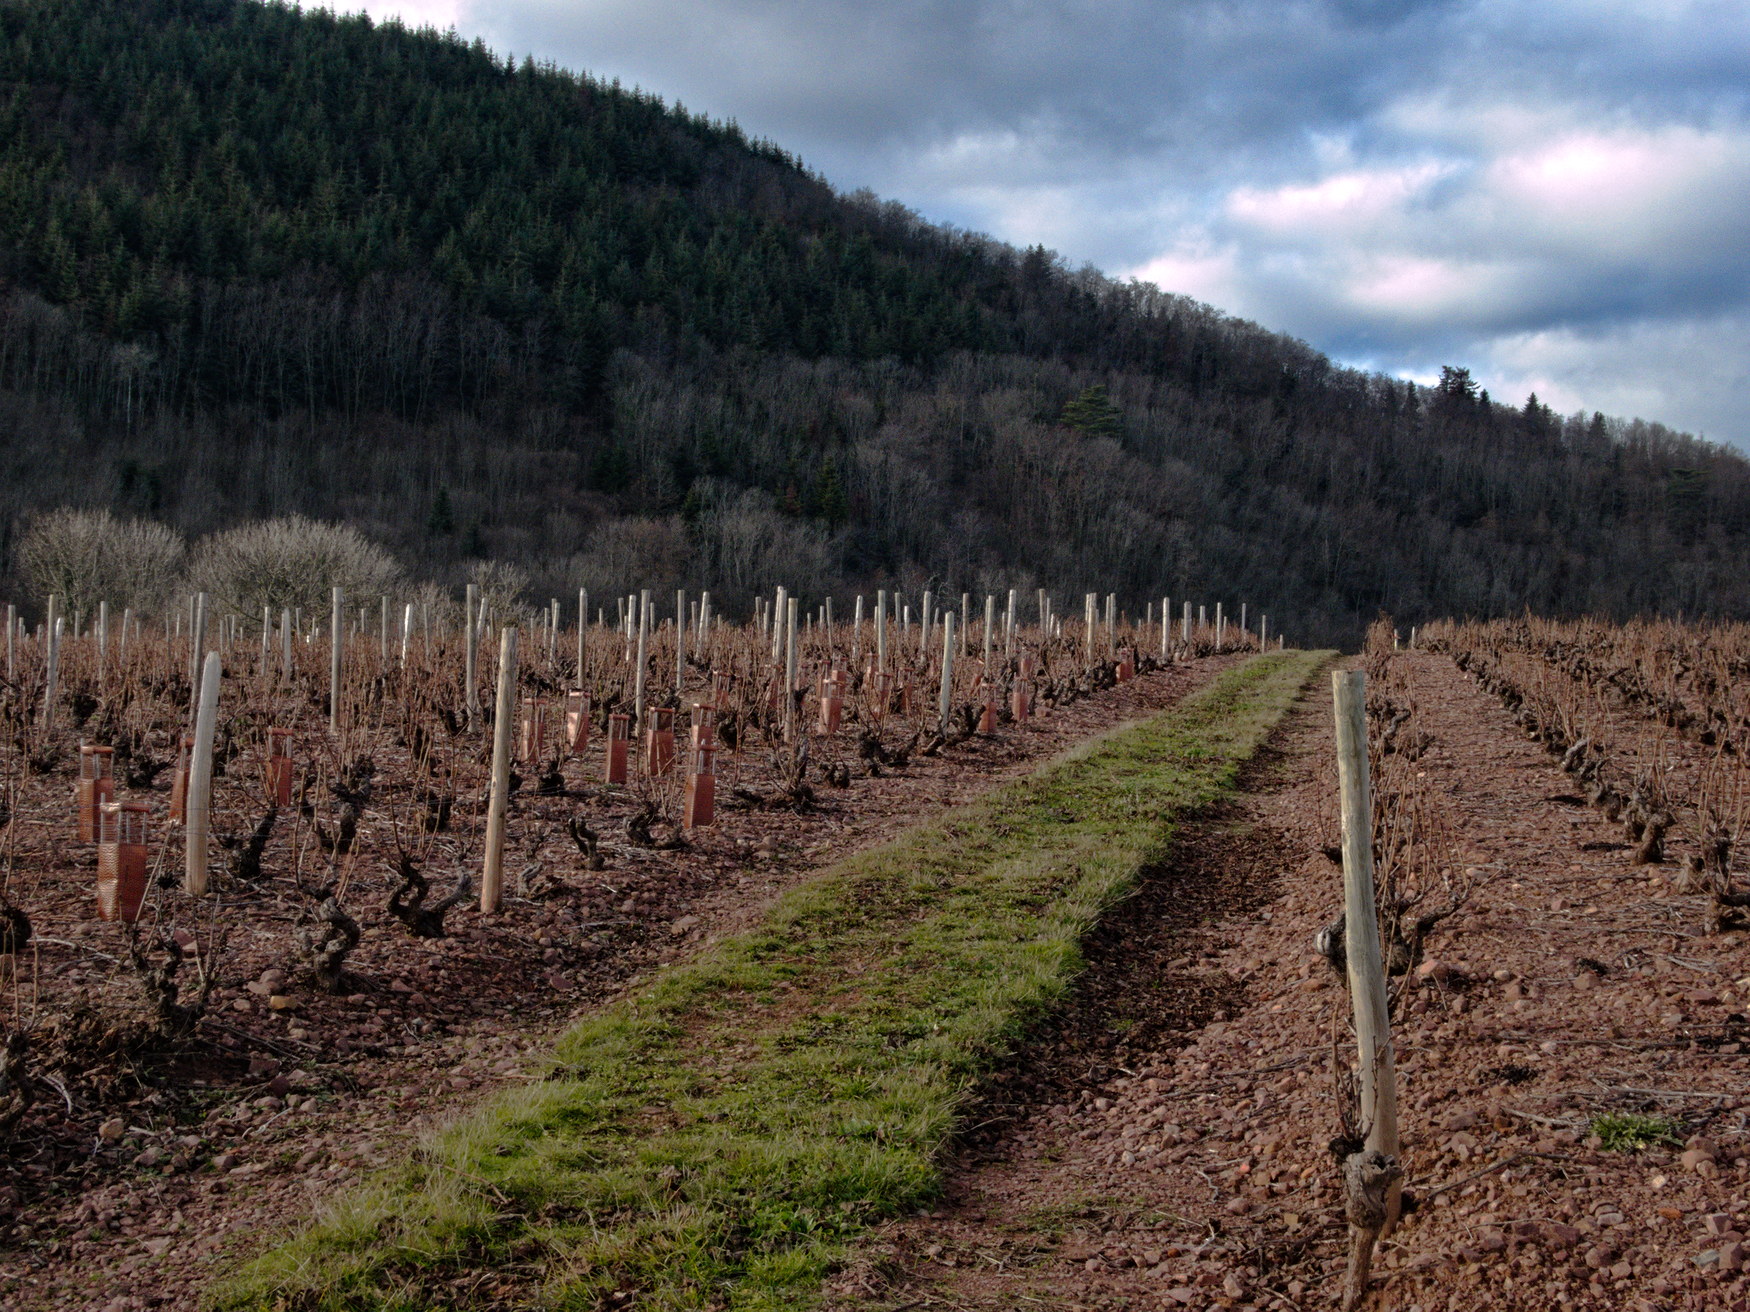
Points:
(88, 556)
(292, 562)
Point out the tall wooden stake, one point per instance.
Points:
(1367, 994)
(198, 831)
(52, 667)
(471, 652)
(336, 646)
(944, 703)
(503, 721)
(638, 676)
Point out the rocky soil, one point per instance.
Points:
(129, 1187)
(1166, 1143)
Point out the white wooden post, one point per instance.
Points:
(471, 652)
(857, 632)
(1185, 625)
(121, 646)
(789, 625)
(285, 644)
(881, 631)
(52, 665)
(197, 647)
(1009, 628)
(680, 642)
(990, 623)
(643, 605)
(503, 721)
(582, 623)
(199, 824)
(336, 641)
(11, 639)
(943, 705)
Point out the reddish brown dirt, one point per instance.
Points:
(162, 1171)
(1164, 1144)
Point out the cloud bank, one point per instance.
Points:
(1553, 195)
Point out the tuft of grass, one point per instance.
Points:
(1629, 1132)
(716, 1139)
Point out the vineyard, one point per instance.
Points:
(813, 973)
(338, 924)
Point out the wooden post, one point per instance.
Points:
(336, 641)
(197, 648)
(11, 639)
(680, 642)
(1367, 985)
(582, 623)
(51, 667)
(789, 620)
(121, 646)
(1009, 628)
(965, 617)
(503, 721)
(701, 646)
(1263, 631)
(643, 606)
(990, 622)
(1220, 626)
(944, 703)
(857, 633)
(1185, 625)
(406, 630)
(471, 652)
(881, 632)
(285, 644)
(198, 830)
(102, 639)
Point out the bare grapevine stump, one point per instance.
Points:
(1368, 1178)
(327, 940)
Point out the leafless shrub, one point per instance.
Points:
(88, 556)
(289, 563)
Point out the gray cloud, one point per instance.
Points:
(1551, 194)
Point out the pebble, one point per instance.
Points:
(1698, 1160)
(112, 1129)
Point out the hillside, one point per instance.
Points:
(254, 261)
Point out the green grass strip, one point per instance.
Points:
(713, 1141)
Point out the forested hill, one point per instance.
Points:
(256, 261)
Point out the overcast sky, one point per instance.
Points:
(1555, 193)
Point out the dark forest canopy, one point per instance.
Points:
(255, 261)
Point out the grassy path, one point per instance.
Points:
(713, 1140)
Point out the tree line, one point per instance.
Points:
(257, 262)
